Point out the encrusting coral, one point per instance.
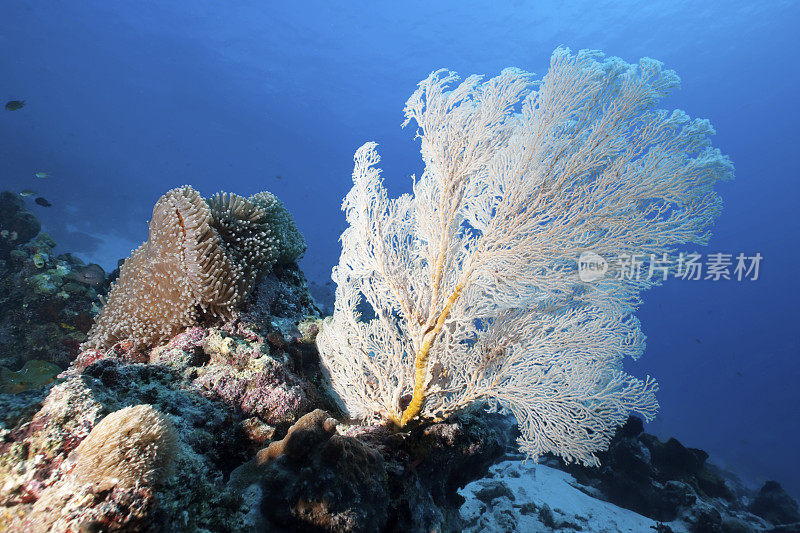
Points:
(130, 447)
(201, 258)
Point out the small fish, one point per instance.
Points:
(41, 174)
(13, 105)
(42, 202)
(38, 260)
(67, 326)
(91, 274)
(26, 193)
(35, 374)
(278, 177)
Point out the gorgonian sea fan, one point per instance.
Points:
(473, 278)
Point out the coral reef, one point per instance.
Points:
(45, 308)
(314, 477)
(331, 477)
(38, 456)
(234, 393)
(106, 483)
(201, 258)
(46, 434)
(17, 224)
(230, 425)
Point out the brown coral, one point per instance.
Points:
(248, 236)
(200, 258)
(134, 446)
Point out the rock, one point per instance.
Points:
(257, 432)
(17, 224)
(674, 461)
(774, 504)
(259, 385)
(785, 528)
(36, 455)
(706, 520)
(546, 516)
(493, 489)
(317, 478)
(450, 454)
(660, 480)
(329, 477)
(732, 524)
(281, 293)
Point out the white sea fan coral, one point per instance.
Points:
(473, 279)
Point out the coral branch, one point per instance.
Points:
(473, 279)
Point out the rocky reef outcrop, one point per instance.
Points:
(46, 303)
(17, 225)
(256, 441)
(670, 483)
(328, 476)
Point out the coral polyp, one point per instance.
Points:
(201, 258)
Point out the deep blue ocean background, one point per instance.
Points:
(125, 100)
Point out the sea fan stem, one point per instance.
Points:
(421, 361)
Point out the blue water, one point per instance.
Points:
(125, 100)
